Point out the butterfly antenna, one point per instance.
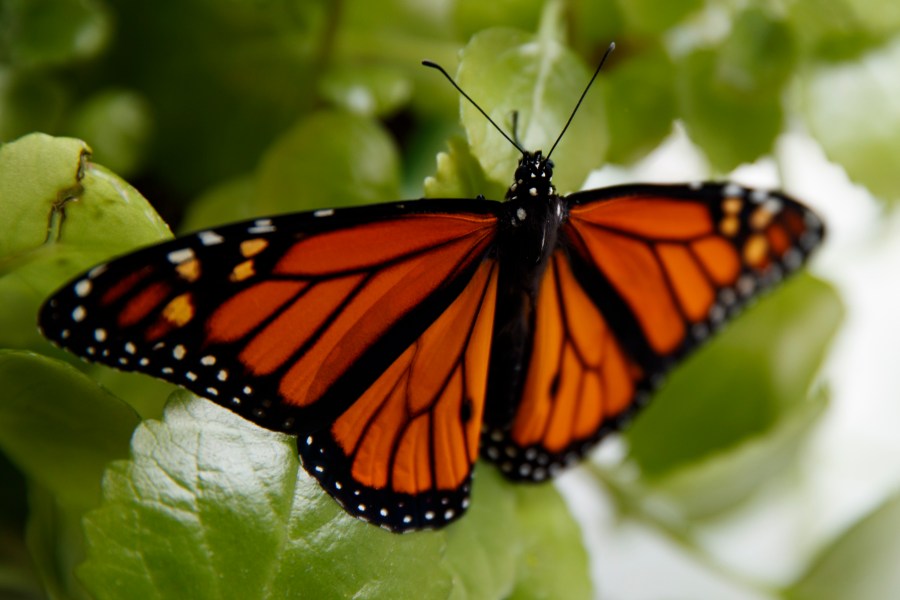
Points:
(433, 65)
(612, 47)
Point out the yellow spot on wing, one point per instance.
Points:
(242, 271)
(729, 226)
(189, 270)
(732, 206)
(756, 250)
(253, 247)
(760, 218)
(180, 310)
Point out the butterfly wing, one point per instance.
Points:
(401, 456)
(363, 330)
(641, 276)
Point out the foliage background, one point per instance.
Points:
(216, 111)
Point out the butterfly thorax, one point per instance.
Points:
(532, 214)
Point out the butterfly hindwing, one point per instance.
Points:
(641, 276)
(285, 320)
(401, 456)
(578, 382)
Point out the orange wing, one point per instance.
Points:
(579, 382)
(642, 275)
(401, 456)
(286, 321)
(669, 264)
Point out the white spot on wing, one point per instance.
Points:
(99, 269)
(325, 212)
(261, 226)
(732, 189)
(758, 196)
(78, 314)
(772, 205)
(210, 238)
(176, 257)
(83, 288)
(178, 352)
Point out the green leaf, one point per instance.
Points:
(223, 78)
(877, 16)
(329, 159)
(56, 542)
(758, 56)
(210, 505)
(59, 426)
(472, 16)
(118, 124)
(861, 564)
(640, 98)
(594, 24)
(505, 71)
(723, 479)
(829, 29)
(729, 124)
(370, 91)
(552, 564)
(459, 175)
(852, 110)
(59, 215)
(42, 33)
(228, 202)
(37, 173)
(742, 384)
(29, 101)
(652, 17)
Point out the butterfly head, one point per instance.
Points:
(533, 178)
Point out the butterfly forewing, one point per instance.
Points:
(285, 320)
(673, 263)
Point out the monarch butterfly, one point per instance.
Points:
(400, 341)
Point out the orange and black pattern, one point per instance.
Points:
(641, 276)
(400, 342)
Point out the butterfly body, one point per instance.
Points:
(527, 234)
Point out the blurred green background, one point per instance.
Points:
(219, 110)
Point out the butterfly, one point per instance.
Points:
(399, 342)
